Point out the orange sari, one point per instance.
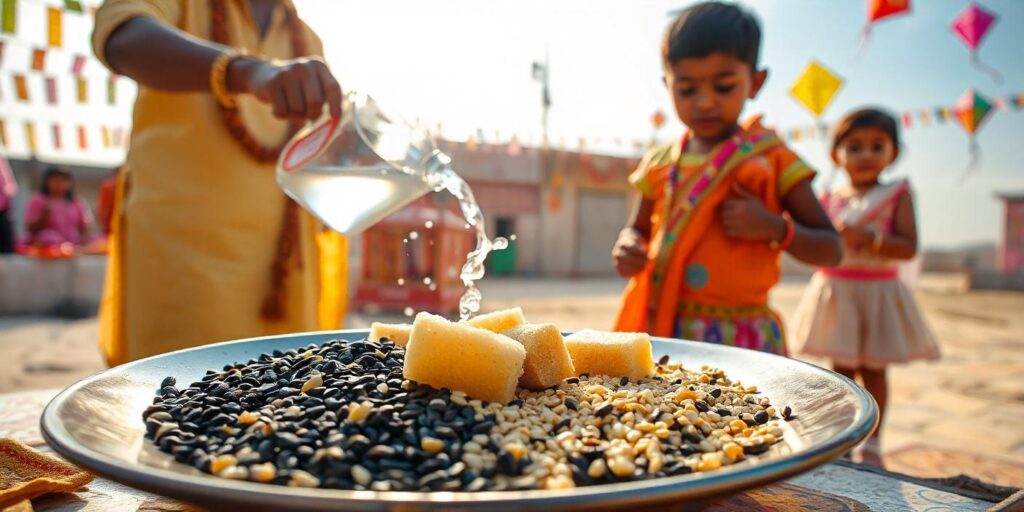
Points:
(694, 266)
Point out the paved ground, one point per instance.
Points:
(964, 413)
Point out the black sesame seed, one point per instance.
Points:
(761, 417)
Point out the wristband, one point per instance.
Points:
(787, 238)
(218, 77)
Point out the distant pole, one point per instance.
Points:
(541, 73)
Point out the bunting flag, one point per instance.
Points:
(77, 65)
(30, 135)
(56, 26)
(942, 114)
(21, 86)
(1000, 104)
(51, 90)
(10, 14)
(112, 90)
(105, 136)
(73, 6)
(82, 142)
(925, 118)
(57, 141)
(1018, 101)
(1, 54)
(83, 90)
(119, 135)
(3, 133)
(38, 59)
(907, 119)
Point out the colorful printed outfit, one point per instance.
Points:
(700, 283)
(860, 315)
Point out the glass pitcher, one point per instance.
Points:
(354, 171)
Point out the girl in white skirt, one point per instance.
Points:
(860, 315)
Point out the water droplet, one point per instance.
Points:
(512, 236)
(429, 224)
(433, 286)
(413, 235)
(409, 311)
(405, 240)
(499, 243)
(467, 226)
(401, 281)
(427, 280)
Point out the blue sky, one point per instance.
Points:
(466, 64)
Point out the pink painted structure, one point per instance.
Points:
(1011, 245)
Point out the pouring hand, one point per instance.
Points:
(297, 88)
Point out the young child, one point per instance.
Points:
(859, 314)
(719, 206)
(55, 215)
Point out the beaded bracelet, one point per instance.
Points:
(218, 76)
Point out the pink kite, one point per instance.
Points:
(971, 26)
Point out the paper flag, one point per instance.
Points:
(658, 119)
(971, 110)
(21, 86)
(816, 87)
(38, 59)
(111, 90)
(77, 64)
(971, 26)
(879, 9)
(51, 90)
(73, 6)
(10, 14)
(83, 90)
(82, 142)
(105, 135)
(30, 135)
(57, 142)
(56, 32)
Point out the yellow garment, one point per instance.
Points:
(196, 229)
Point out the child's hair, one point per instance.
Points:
(54, 172)
(866, 118)
(711, 27)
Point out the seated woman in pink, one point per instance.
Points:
(54, 215)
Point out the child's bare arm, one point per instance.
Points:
(901, 244)
(815, 240)
(630, 252)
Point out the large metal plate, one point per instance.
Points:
(97, 423)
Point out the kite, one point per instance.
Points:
(971, 111)
(971, 26)
(816, 87)
(879, 10)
